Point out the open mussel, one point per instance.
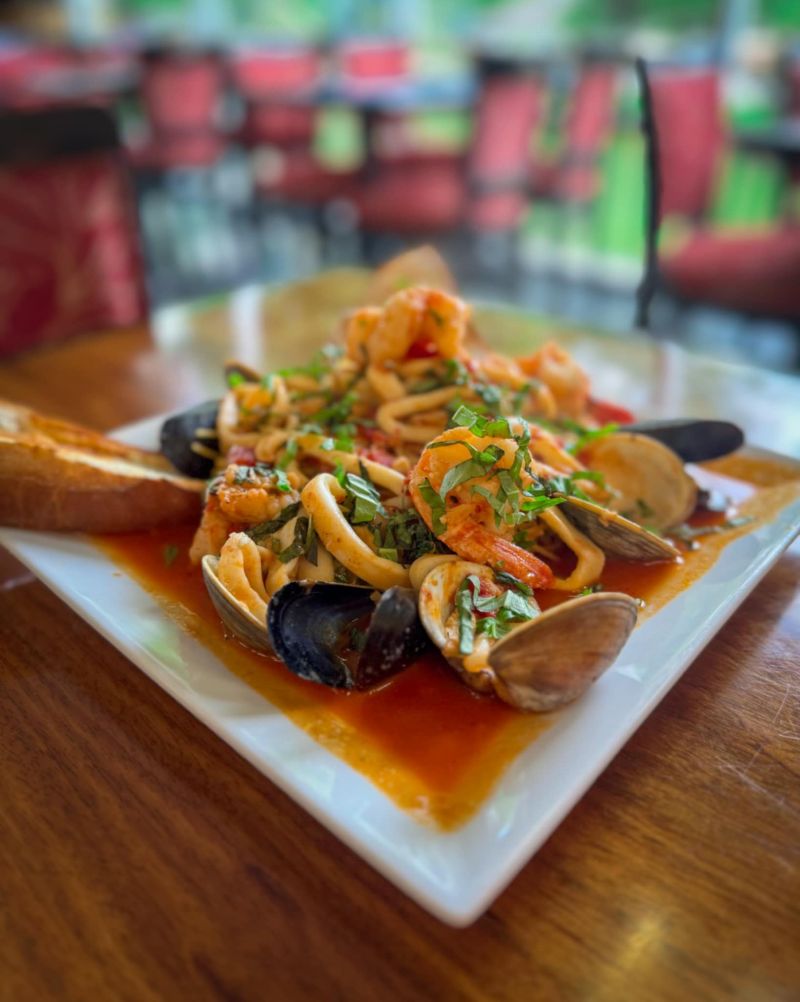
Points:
(693, 439)
(542, 663)
(189, 440)
(341, 636)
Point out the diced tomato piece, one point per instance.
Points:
(374, 435)
(424, 348)
(377, 455)
(608, 413)
(242, 455)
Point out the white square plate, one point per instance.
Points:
(455, 875)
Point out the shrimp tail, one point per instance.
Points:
(471, 541)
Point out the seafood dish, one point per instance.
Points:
(408, 489)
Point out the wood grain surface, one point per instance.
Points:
(142, 859)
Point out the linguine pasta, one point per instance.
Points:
(398, 446)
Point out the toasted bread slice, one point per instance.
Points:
(55, 475)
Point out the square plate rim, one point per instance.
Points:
(462, 905)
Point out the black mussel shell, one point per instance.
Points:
(694, 440)
(189, 437)
(309, 625)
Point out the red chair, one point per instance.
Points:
(278, 89)
(272, 83)
(373, 61)
(573, 176)
(69, 253)
(21, 67)
(755, 274)
(181, 92)
(486, 191)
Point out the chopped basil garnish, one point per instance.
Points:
(170, 554)
(436, 505)
(303, 537)
(591, 435)
(490, 615)
(259, 532)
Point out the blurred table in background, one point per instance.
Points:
(150, 861)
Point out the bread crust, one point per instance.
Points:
(58, 476)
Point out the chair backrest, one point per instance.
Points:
(268, 73)
(588, 127)
(270, 81)
(688, 117)
(509, 108)
(373, 59)
(69, 253)
(181, 91)
(590, 117)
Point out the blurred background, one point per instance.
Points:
(158, 151)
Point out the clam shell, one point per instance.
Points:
(616, 535)
(650, 484)
(236, 616)
(554, 658)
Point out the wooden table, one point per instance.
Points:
(142, 859)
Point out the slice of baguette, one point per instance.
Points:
(55, 475)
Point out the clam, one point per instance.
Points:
(649, 493)
(616, 535)
(316, 629)
(189, 439)
(543, 663)
(236, 616)
(648, 480)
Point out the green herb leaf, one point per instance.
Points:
(436, 504)
(299, 544)
(591, 435)
(508, 579)
(367, 501)
(170, 554)
(260, 532)
(464, 604)
(289, 454)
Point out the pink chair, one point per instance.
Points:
(370, 61)
(272, 83)
(69, 251)
(758, 274)
(687, 105)
(485, 191)
(573, 176)
(21, 67)
(181, 92)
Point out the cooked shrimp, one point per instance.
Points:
(358, 329)
(470, 528)
(211, 533)
(559, 371)
(242, 496)
(426, 316)
(251, 496)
